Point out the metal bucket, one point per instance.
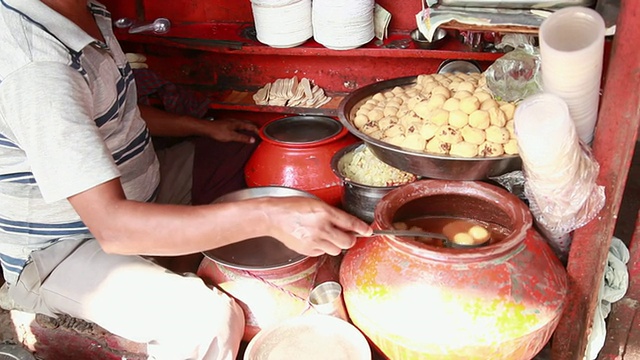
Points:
(270, 282)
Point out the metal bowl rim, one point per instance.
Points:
(255, 193)
(372, 89)
(335, 161)
(439, 35)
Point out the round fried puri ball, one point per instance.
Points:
(452, 114)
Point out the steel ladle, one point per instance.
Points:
(420, 233)
(415, 233)
(158, 26)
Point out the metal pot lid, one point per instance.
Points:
(257, 253)
(302, 129)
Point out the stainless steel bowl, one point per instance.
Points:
(422, 164)
(464, 66)
(422, 43)
(357, 199)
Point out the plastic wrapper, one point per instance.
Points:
(561, 209)
(513, 182)
(515, 75)
(559, 169)
(430, 18)
(561, 206)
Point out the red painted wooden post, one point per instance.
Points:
(613, 146)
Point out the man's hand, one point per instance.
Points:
(225, 130)
(310, 226)
(162, 123)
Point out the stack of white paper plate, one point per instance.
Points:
(342, 25)
(282, 23)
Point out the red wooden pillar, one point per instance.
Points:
(613, 147)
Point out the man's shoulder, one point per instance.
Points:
(23, 43)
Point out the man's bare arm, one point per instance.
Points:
(162, 123)
(122, 226)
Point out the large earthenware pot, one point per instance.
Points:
(416, 300)
(296, 152)
(270, 281)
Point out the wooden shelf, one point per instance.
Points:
(225, 61)
(236, 38)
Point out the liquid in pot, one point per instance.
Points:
(437, 224)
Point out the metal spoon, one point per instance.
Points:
(415, 233)
(419, 233)
(123, 23)
(158, 26)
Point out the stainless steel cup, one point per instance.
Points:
(326, 299)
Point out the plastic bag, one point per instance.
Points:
(613, 288)
(560, 170)
(559, 210)
(515, 75)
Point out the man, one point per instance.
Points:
(77, 176)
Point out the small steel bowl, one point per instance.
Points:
(422, 43)
(357, 199)
(463, 66)
(419, 163)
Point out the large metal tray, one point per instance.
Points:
(422, 164)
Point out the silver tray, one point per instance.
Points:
(422, 164)
(518, 4)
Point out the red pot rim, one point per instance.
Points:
(343, 132)
(509, 203)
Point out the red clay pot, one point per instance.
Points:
(418, 301)
(296, 152)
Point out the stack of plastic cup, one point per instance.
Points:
(571, 55)
(547, 139)
(551, 159)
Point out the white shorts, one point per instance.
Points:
(177, 316)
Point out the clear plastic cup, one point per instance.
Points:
(571, 53)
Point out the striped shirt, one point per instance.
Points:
(68, 122)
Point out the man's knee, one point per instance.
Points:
(209, 325)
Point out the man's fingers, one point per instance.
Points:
(239, 137)
(328, 247)
(349, 223)
(243, 125)
(249, 126)
(340, 238)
